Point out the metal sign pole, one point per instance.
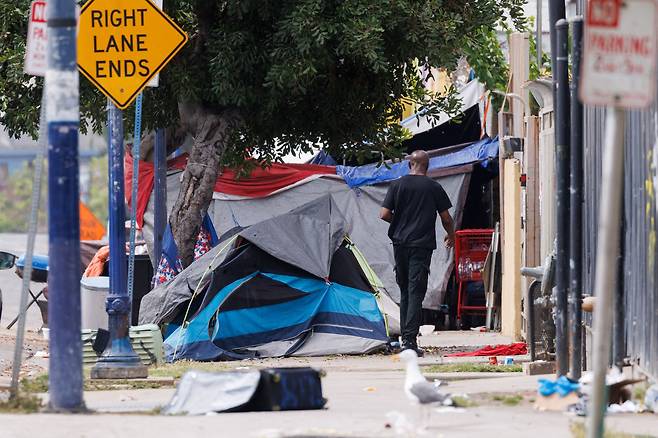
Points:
(63, 115)
(31, 237)
(576, 235)
(606, 261)
(160, 189)
(562, 159)
(119, 361)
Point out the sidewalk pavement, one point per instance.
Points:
(364, 393)
(360, 403)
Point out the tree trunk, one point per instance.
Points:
(211, 133)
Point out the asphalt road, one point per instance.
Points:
(11, 284)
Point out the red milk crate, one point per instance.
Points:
(471, 249)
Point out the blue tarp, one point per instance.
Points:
(479, 152)
(323, 158)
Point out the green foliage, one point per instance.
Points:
(98, 188)
(16, 202)
(21, 404)
(301, 73)
(508, 399)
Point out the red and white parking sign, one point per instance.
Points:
(36, 59)
(619, 55)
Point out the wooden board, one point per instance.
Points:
(511, 290)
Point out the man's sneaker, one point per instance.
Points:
(409, 346)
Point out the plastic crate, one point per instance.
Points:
(471, 250)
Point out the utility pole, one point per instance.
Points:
(63, 116)
(562, 137)
(119, 360)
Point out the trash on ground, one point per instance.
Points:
(562, 385)
(555, 402)
(426, 330)
(651, 399)
(515, 349)
(557, 395)
(270, 389)
(200, 392)
(618, 391)
(628, 407)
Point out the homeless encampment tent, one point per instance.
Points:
(292, 285)
(358, 192)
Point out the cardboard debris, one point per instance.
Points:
(556, 403)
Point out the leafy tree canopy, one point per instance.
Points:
(299, 72)
(264, 78)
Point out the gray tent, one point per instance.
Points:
(292, 285)
(306, 237)
(360, 207)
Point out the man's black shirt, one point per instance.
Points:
(415, 201)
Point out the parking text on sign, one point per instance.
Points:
(619, 61)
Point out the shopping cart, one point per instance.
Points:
(471, 249)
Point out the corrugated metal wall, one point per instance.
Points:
(640, 273)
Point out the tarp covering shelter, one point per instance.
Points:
(357, 191)
(291, 285)
(445, 130)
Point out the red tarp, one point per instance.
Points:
(260, 183)
(144, 188)
(515, 349)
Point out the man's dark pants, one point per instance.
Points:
(412, 266)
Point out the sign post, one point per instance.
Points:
(63, 114)
(36, 54)
(122, 45)
(619, 71)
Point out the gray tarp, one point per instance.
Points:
(200, 393)
(361, 209)
(161, 304)
(320, 219)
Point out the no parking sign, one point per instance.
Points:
(619, 59)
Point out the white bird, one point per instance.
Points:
(417, 389)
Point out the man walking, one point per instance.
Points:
(411, 206)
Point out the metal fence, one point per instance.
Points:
(640, 264)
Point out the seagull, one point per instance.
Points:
(417, 389)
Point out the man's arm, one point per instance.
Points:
(386, 214)
(449, 226)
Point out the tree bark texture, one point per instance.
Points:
(211, 133)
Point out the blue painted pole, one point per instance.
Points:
(160, 189)
(119, 360)
(63, 116)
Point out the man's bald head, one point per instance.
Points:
(419, 162)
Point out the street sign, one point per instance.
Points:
(155, 80)
(123, 44)
(36, 58)
(619, 57)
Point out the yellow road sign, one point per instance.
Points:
(122, 44)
